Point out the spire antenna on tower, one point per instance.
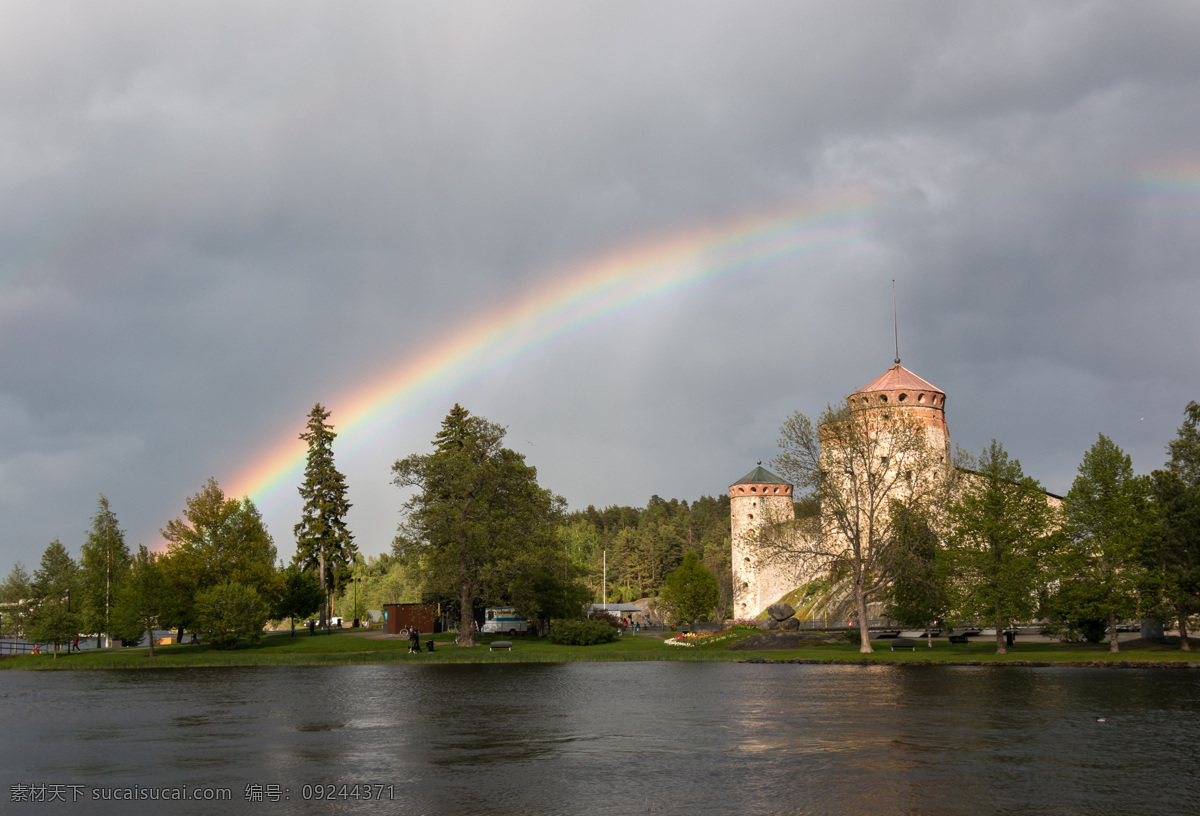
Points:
(895, 321)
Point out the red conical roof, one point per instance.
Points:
(898, 378)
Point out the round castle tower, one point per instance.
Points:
(755, 499)
(900, 389)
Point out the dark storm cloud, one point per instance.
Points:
(213, 217)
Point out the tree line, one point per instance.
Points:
(878, 516)
(479, 530)
(982, 543)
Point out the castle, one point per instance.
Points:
(761, 498)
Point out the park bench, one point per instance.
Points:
(904, 643)
(500, 644)
(960, 639)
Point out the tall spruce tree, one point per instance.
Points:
(104, 566)
(323, 542)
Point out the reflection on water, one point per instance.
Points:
(618, 738)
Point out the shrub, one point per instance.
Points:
(581, 633)
(230, 612)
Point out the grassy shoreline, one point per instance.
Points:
(352, 648)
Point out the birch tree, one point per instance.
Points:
(870, 471)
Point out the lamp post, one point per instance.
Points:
(68, 617)
(356, 580)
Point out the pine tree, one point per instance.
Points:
(323, 542)
(104, 563)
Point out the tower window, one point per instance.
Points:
(903, 397)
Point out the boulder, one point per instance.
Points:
(780, 611)
(768, 624)
(789, 625)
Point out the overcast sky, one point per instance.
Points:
(213, 216)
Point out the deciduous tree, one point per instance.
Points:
(478, 512)
(141, 599)
(691, 591)
(54, 618)
(16, 595)
(919, 592)
(230, 612)
(1108, 524)
(300, 595)
(867, 469)
(999, 529)
(1177, 498)
(218, 540)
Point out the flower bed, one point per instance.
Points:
(702, 638)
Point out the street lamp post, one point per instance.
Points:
(356, 580)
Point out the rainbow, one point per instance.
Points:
(574, 298)
(1169, 181)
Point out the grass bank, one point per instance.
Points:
(351, 648)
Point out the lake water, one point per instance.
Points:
(599, 738)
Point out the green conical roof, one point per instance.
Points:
(760, 475)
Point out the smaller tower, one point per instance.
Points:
(758, 498)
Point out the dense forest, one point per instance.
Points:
(642, 546)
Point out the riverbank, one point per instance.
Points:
(356, 648)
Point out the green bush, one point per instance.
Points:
(581, 633)
(230, 612)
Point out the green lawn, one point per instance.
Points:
(345, 648)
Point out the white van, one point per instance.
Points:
(503, 620)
